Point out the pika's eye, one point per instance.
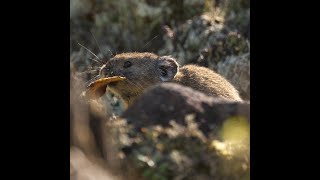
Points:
(127, 64)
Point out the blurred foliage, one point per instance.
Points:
(127, 25)
(183, 152)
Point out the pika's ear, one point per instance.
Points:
(167, 68)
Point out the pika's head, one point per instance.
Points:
(141, 71)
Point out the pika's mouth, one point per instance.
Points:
(116, 82)
(97, 88)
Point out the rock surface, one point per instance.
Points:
(237, 70)
(169, 101)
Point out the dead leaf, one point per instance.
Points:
(97, 88)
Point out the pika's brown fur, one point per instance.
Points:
(142, 70)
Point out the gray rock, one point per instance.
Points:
(237, 70)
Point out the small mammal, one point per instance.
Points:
(142, 70)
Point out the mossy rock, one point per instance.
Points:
(182, 148)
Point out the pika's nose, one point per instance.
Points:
(115, 72)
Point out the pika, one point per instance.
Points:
(142, 70)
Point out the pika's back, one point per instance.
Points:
(135, 55)
(206, 81)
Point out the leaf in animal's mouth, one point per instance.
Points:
(97, 88)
